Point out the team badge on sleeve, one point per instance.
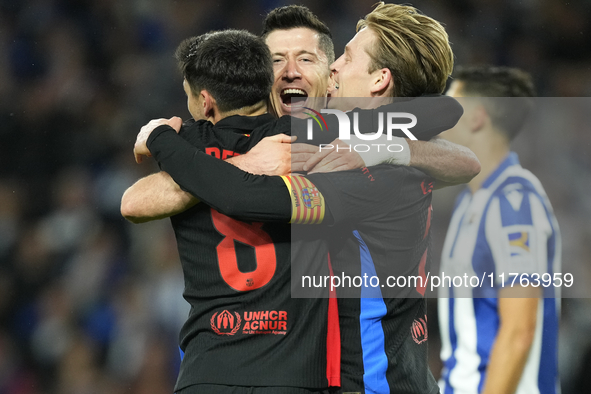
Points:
(307, 203)
(519, 248)
(519, 243)
(311, 197)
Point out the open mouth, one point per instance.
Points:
(293, 93)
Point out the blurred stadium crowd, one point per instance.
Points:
(92, 304)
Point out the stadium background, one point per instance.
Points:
(92, 304)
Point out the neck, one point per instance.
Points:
(259, 108)
(491, 150)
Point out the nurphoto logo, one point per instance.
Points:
(392, 122)
(345, 124)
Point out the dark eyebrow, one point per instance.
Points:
(302, 52)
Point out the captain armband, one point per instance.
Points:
(307, 203)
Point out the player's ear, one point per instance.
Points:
(208, 104)
(331, 82)
(478, 118)
(381, 82)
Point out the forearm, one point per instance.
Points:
(154, 197)
(443, 160)
(218, 184)
(394, 151)
(261, 165)
(517, 328)
(507, 360)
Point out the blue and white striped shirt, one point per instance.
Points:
(507, 226)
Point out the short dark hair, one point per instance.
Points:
(508, 116)
(293, 16)
(234, 66)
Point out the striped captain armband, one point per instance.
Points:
(307, 203)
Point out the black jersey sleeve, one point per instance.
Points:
(220, 185)
(434, 113)
(371, 193)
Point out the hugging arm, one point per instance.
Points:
(294, 199)
(221, 185)
(154, 197)
(158, 196)
(448, 163)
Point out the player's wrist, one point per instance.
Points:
(395, 151)
(401, 158)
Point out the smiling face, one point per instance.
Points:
(300, 68)
(351, 69)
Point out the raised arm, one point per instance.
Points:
(154, 197)
(448, 163)
(232, 191)
(158, 196)
(295, 199)
(245, 196)
(221, 185)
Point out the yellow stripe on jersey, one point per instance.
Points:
(287, 180)
(307, 203)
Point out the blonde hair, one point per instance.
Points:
(414, 47)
